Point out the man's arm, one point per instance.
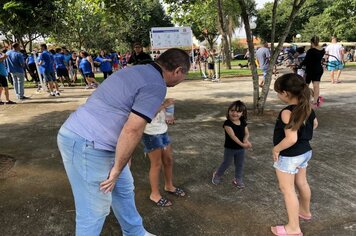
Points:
(3, 57)
(129, 137)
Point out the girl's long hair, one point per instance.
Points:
(296, 87)
(238, 106)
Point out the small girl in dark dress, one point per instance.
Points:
(236, 141)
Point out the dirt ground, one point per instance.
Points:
(35, 196)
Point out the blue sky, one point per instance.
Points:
(260, 3)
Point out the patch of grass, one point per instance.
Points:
(235, 71)
(29, 84)
(350, 64)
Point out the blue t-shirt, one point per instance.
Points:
(3, 70)
(105, 66)
(15, 62)
(47, 61)
(59, 61)
(138, 89)
(67, 57)
(85, 65)
(30, 59)
(41, 68)
(51, 68)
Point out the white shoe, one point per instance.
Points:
(215, 80)
(57, 94)
(52, 94)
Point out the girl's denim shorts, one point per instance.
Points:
(292, 165)
(152, 142)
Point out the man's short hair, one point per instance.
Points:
(15, 45)
(44, 46)
(174, 58)
(58, 50)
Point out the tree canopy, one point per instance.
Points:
(83, 24)
(317, 17)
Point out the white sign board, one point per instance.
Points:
(171, 37)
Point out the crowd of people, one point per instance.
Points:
(59, 66)
(309, 64)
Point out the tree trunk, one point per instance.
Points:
(297, 4)
(30, 42)
(260, 101)
(251, 49)
(224, 36)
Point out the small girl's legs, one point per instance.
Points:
(228, 157)
(286, 184)
(239, 159)
(304, 193)
(155, 157)
(167, 159)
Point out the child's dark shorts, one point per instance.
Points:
(3, 81)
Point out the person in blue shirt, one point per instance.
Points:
(61, 67)
(46, 61)
(31, 67)
(15, 66)
(104, 61)
(3, 81)
(114, 60)
(87, 66)
(95, 153)
(67, 55)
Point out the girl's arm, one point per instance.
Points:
(232, 135)
(291, 136)
(167, 102)
(247, 136)
(315, 123)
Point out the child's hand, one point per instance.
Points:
(246, 144)
(275, 154)
(168, 101)
(170, 121)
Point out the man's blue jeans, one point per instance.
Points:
(18, 80)
(86, 168)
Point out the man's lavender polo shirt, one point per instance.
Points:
(139, 89)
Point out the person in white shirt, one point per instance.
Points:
(157, 146)
(335, 56)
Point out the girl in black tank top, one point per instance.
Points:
(291, 153)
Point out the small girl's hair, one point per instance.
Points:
(296, 87)
(238, 106)
(315, 40)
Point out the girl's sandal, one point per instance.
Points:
(163, 202)
(178, 192)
